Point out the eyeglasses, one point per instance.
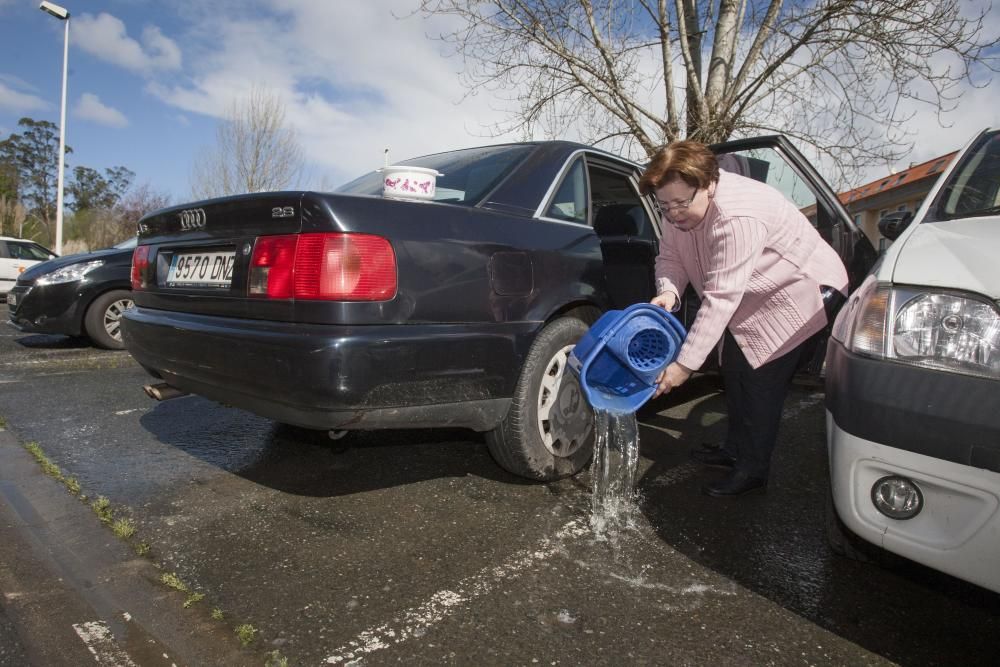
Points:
(667, 207)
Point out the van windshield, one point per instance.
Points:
(973, 187)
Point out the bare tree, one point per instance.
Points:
(254, 151)
(636, 74)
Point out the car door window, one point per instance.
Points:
(626, 231)
(775, 161)
(768, 166)
(27, 251)
(570, 201)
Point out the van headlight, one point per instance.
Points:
(69, 274)
(929, 327)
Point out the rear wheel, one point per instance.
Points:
(548, 432)
(103, 319)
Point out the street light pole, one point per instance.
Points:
(63, 15)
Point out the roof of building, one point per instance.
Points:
(932, 167)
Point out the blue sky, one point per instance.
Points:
(149, 81)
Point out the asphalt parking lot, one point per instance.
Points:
(413, 546)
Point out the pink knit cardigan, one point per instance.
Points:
(757, 264)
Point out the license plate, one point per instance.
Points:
(201, 269)
(11, 299)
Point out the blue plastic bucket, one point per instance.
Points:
(618, 359)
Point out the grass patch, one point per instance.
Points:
(275, 659)
(191, 599)
(123, 528)
(102, 508)
(48, 467)
(246, 633)
(3, 423)
(171, 580)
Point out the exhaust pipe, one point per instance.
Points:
(162, 391)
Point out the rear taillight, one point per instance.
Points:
(330, 266)
(140, 267)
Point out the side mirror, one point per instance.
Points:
(892, 224)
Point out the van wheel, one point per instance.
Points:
(548, 432)
(104, 316)
(842, 541)
(845, 543)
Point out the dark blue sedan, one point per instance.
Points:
(367, 309)
(80, 295)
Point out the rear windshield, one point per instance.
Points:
(469, 175)
(973, 188)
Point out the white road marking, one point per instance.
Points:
(416, 620)
(100, 642)
(675, 475)
(802, 405)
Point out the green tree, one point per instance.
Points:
(92, 191)
(33, 155)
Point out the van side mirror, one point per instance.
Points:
(892, 224)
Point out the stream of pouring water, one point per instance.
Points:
(616, 460)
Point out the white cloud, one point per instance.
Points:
(106, 37)
(90, 107)
(354, 80)
(19, 102)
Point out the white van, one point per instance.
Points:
(913, 383)
(15, 256)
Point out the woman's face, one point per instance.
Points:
(682, 205)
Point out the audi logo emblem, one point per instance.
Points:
(193, 218)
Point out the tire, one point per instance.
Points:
(841, 540)
(548, 432)
(102, 321)
(848, 545)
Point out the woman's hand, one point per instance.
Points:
(671, 377)
(666, 300)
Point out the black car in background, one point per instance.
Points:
(358, 309)
(80, 295)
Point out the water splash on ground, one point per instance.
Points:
(614, 501)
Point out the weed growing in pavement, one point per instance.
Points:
(246, 633)
(123, 528)
(275, 659)
(171, 580)
(48, 467)
(191, 599)
(102, 508)
(3, 424)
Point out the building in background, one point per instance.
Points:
(902, 191)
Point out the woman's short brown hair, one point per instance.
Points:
(690, 161)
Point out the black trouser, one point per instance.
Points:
(755, 398)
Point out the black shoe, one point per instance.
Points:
(713, 456)
(736, 483)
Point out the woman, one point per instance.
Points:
(760, 269)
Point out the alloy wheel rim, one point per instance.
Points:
(113, 317)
